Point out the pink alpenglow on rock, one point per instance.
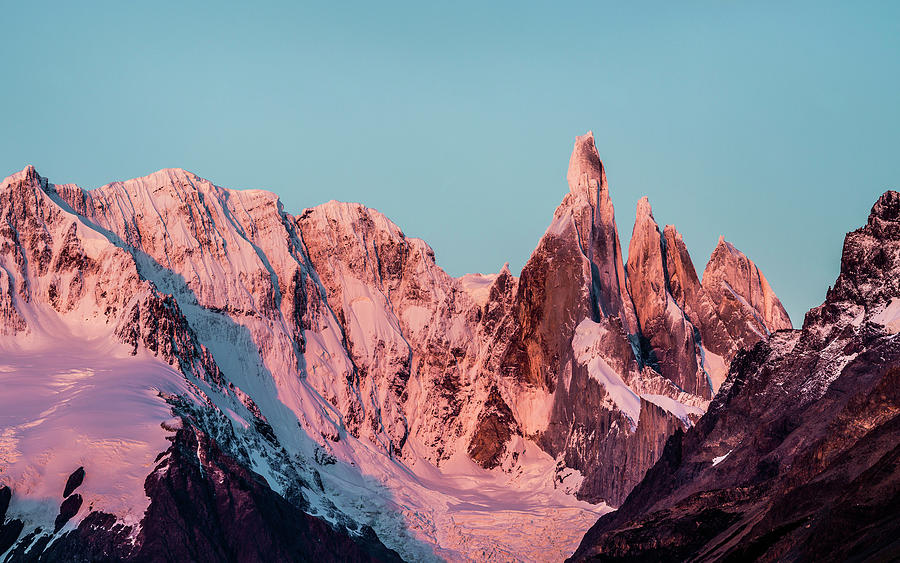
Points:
(743, 297)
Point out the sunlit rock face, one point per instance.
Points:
(325, 359)
(690, 331)
(673, 341)
(692, 298)
(796, 458)
(596, 224)
(743, 297)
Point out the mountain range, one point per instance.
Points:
(193, 373)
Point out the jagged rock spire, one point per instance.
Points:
(745, 300)
(585, 168)
(597, 230)
(686, 289)
(670, 336)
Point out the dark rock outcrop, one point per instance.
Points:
(67, 510)
(207, 507)
(74, 481)
(496, 425)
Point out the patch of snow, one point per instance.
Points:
(890, 316)
(531, 406)
(669, 404)
(478, 286)
(417, 318)
(588, 336)
(720, 459)
(715, 367)
(459, 508)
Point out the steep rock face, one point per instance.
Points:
(409, 326)
(797, 457)
(690, 331)
(744, 299)
(867, 286)
(598, 233)
(588, 397)
(575, 273)
(456, 373)
(674, 347)
(689, 294)
(11, 321)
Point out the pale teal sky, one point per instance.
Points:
(774, 125)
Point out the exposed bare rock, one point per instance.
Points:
(74, 481)
(496, 426)
(744, 299)
(674, 347)
(598, 234)
(687, 291)
(868, 287)
(67, 510)
(11, 321)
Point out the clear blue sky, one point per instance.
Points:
(774, 125)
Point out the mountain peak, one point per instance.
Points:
(585, 166)
(645, 225)
(731, 275)
(885, 214)
(644, 209)
(28, 173)
(869, 265)
(726, 246)
(673, 232)
(167, 175)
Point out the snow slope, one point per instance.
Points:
(73, 396)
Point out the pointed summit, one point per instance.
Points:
(671, 341)
(744, 298)
(589, 204)
(644, 211)
(28, 174)
(585, 167)
(689, 295)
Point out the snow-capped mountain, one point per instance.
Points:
(217, 369)
(797, 458)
